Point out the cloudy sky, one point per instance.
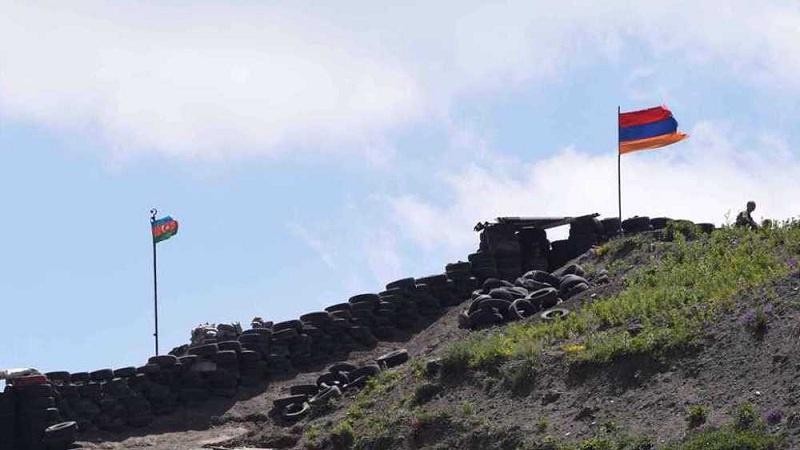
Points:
(322, 149)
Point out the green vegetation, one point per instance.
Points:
(684, 228)
(690, 283)
(745, 417)
(342, 435)
(426, 392)
(467, 408)
(698, 414)
(729, 438)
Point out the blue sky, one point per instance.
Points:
(314, 153)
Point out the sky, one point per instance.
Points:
(312, 151)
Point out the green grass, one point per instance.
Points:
(690, 283)
(698, 414)
(729, 438)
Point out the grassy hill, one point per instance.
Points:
(691, 344)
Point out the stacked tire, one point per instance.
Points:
(611, 227)
(535, 248)
(508, 257)
(35, 411)
(499, 301)
(7, 419)
(483, 265)
(460, 273)
(636, 224)
(584, 232)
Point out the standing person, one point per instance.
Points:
(744, 218)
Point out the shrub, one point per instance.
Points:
(342, 435)
(745, 417)
(698, 414)
(426, 392)
(756, 319)
(467, 408)
(683, 228)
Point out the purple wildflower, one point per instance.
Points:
(773, 416)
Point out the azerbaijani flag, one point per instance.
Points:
(647, 129)
(164, 229)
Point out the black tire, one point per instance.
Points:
(287, 325)
(358, 382)
(325, 395)
(554, 314)
(267, 332)
(61, 376)
(372, 298)
(611, 226)
(531, 285)
(572, 269)
(505, 293)
(101, 375)
(285, 334)
(494, 303)
(575, 290)
(204, 350)
(659, 223)
(433, 281)
(320, 316)
(636, 224)
(404, 283)
(280, 403)
(338, 307)
(522, 309)
(483, 318)
(543, 298)
(236, 346)
(393, 358)
(342, 367)
(327, 380)
(568, 282)
(706, 227)
(79, 377)
(304, 389)
(295, 411)
(125, 372)
(163, 361)
(60, 433)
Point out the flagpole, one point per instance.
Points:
(153, 213)
(619, 172)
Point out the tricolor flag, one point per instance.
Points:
(647, 129)
(164, 229)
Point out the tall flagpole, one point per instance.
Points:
(619, 172)
(153, 213)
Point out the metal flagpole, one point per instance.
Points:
(619, 171)
(153, 213)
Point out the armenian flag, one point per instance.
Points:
(647, 129)
(164, 228)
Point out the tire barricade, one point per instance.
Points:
(47, 412)
(339, 378)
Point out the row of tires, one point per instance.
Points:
(115, 399)
(30, 419)
(339, 378)
(499, 301)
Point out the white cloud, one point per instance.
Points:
(702, 179)
(228, 79)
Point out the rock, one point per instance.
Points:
(550, 397)
(635, 328)
(433, 367)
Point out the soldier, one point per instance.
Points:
(744, 219)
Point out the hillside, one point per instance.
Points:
(678, 343)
